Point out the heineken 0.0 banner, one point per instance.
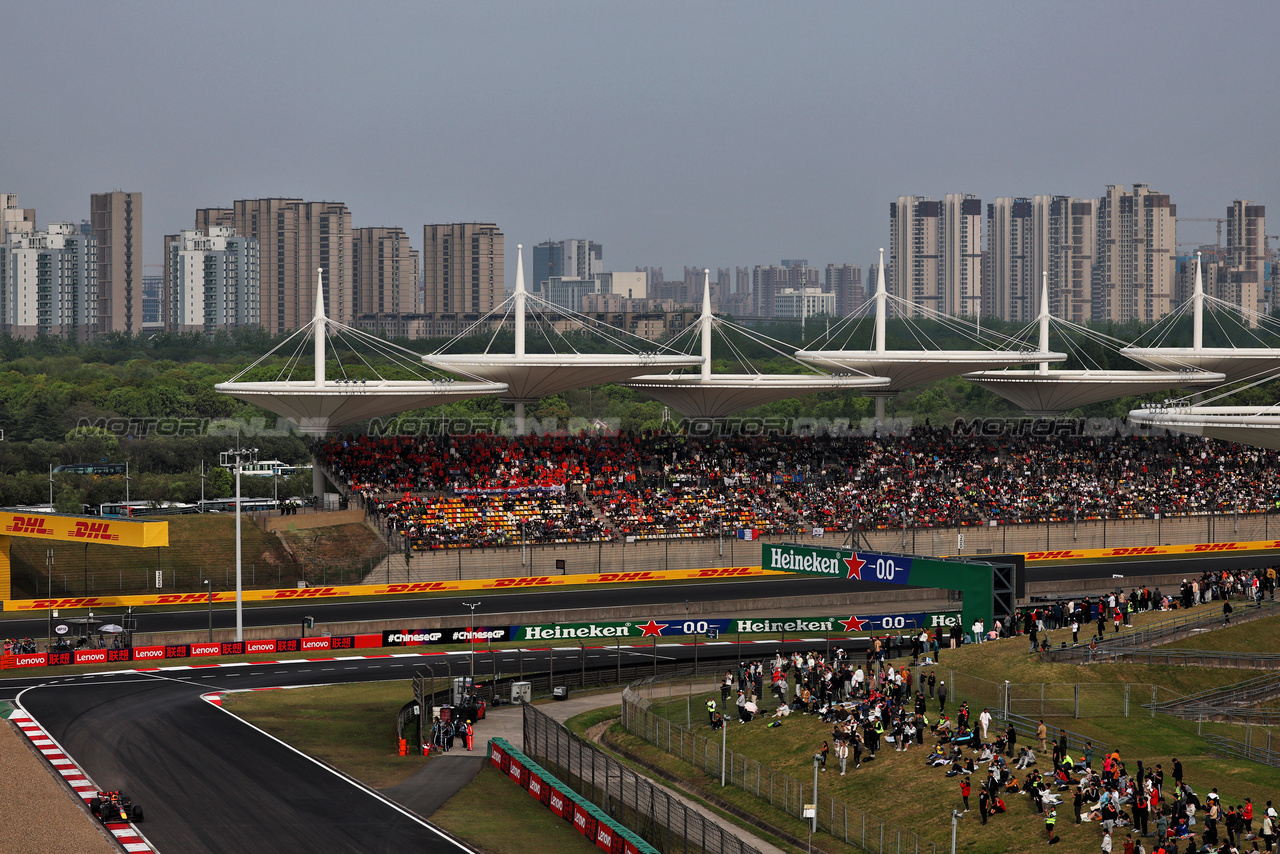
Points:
(636, 629)
(837, 563)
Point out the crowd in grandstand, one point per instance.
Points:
(485, 489)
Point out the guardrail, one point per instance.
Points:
(595, 824)
(645, 808)
(1026, 726)
(1233, 749)
(1202, 658)
(1169, 629)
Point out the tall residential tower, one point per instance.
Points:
(462, 266)
(116, 221)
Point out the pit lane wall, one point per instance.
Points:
(394, 589)
(588, 819)
(599, 633)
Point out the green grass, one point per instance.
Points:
(1258, 636)
(495, 815)
(352, 727)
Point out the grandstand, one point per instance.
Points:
(486, 490)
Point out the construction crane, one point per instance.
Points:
(1218, 220)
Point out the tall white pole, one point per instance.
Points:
(1044, 320)
(1197, 322)
(520, 297)
(239, 594)
(882, 300)
(318, 329)
(705, 323)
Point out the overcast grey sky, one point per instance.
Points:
(709, 134)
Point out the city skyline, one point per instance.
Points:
(694, 142)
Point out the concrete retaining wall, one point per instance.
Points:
(652, 555)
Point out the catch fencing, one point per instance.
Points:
(1182, 625)
(1054, 699)
(1230, 748)
(646, 809)
(844, 822)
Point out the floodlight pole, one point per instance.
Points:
(813, 826)
(724, 741)
(239, 454)
(471, 631)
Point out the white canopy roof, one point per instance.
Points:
(1057, 391)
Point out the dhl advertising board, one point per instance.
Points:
(1154, 551)
(74, 529)
(397, 589)
(77, 529)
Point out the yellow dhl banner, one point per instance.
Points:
(78, 529)
(393, 589)
(1152, 551)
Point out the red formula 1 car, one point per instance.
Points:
(113, 807)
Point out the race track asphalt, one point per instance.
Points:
(208, 782)
(668, 596)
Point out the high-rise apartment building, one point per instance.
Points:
(1012, 275)
(844, 281)
(462, 268)
(49, 283)
(569, 259)
(1246, 257)
(1072, 238)
(385, 272)
(212, 280)
(295, 238)
(13, 219)
(935, 254)
(1134, 270)
(766, 283)
(914, 272)
(961, 251)
(1028, 237)
(116, 220)
(722, 285)
(153, 298)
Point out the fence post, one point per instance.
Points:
(1077, 714)
(1126, 699)
(1153, 699)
